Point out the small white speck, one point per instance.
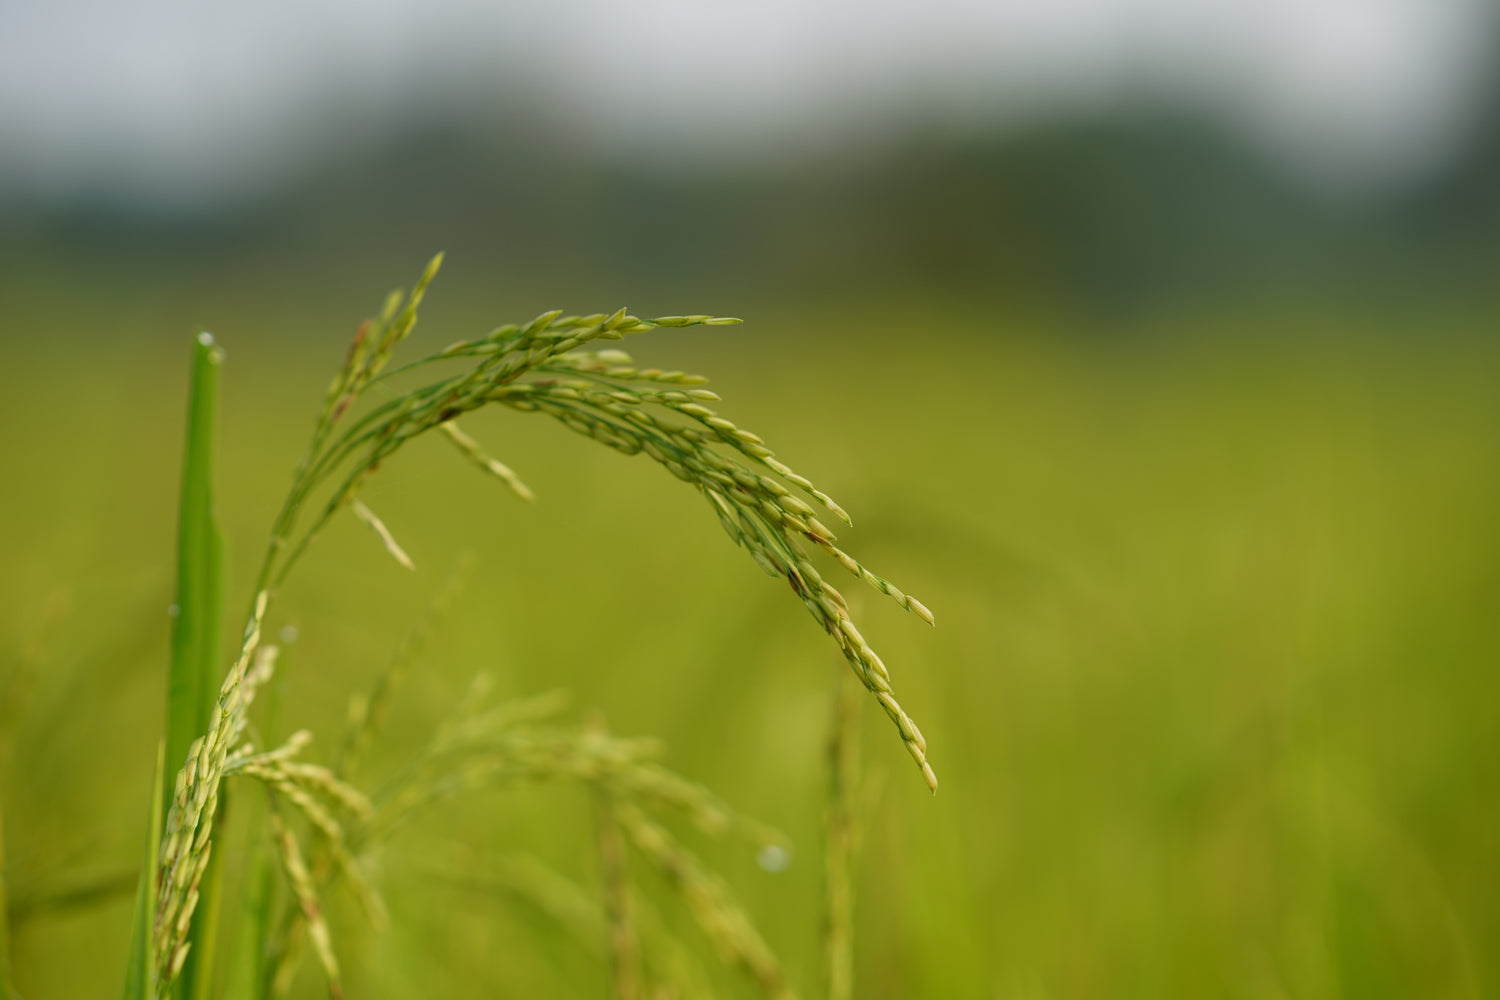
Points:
(289, 634)
(173, 611)
(774, 858)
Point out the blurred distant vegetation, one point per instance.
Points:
(1112, 217)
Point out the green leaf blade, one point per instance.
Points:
(193, 677)
(192, 681)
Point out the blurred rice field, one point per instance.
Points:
(1213, 692)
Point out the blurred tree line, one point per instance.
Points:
(1115, 215)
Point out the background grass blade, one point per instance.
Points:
(141, 965)
(6, 990)
(192, 683)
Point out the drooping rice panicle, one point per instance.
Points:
(543, 367)
(755, 510)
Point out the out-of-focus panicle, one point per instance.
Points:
(720, 918)
(494, 745)
(307, 900)
(307, 787)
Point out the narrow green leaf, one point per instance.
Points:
(193, 681)
(140, 972)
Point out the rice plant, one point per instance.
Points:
(323, 820)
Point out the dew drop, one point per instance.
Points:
(774, 858)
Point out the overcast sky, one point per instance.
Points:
(183, 98)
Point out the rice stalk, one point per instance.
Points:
(549, 366)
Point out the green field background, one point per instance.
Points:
(1212, 693)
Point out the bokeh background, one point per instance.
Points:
(1150, 342)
